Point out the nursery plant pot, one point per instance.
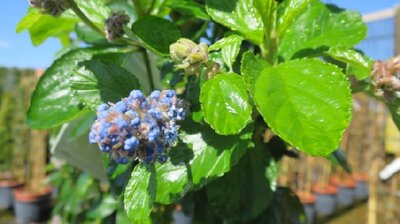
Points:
(6, 192)
(346, 194)
(179, 217)
(308, 200)
(32, 207)
(361, 187)
(326, 198)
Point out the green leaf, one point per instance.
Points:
(245, 191)
(288, 11)
(238, 15)
(394, 108)
(82, 125)
(140, 193)
(95, 10)
(190, 8)
(203, 157)
(225, 103)
(306, 102)
(285, 207)
(226, 41)
(96, 81)
(156, 33)
(155, 7)
(251, 68)
(42, 26)
(319, 27)
(88, 35)
(53, 102)
(358, 65)
(338, 158)
(230, 47)
(267, 9)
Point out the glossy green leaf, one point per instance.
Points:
(95, 10)
(41, 26)
(86, 34)
(251, 68)
(288, 11)
(53, 102)
(245, 191)
(238, 15)
(190, 8)
(156, 33)
(306, 102)
(230, 47)
(225, 103)
(154, 7)
(82, 125)
(140, 193)
(266, 8)
(319, 27)
(96, 81)
(358, 65)
(203, 157)
(285, 207)
(394, 108)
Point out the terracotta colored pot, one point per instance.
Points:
(308, 200)
(362, 186)
(32, 207)
(326, 200)
(346, 191)
(6, 189)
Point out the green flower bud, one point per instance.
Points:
(188, 55)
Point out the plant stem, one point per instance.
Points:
(83, 17)
(148, 68)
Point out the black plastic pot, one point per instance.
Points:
(325, 201)
(361, 193)
(346, 192)
(361, 190)
(32, 207)
(308, 201)
(6, 193)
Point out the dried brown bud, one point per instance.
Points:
(52, 7)
(114, 25)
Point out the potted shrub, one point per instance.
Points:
(32, 202)
(183, 91)
(8, 178)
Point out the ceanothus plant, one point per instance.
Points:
(182, 91)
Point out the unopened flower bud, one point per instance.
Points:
(114, 25)
(188, 55)
(52, 7)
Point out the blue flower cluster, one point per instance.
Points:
(138, 127)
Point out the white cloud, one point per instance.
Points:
(5, 44)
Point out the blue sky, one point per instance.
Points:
(16, 49)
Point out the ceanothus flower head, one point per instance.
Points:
(138, 127)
